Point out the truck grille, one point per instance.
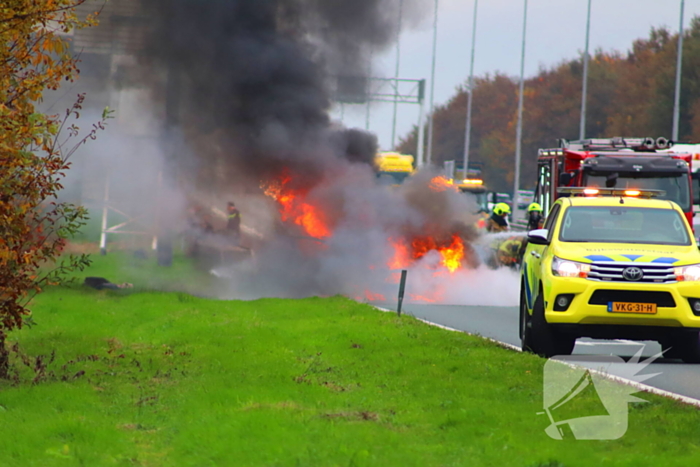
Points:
(612, 272)
(603, 297)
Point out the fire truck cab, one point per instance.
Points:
(634, 163)
(693, 150)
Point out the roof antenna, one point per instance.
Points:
(622, 200)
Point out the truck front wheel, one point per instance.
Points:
(545, 340)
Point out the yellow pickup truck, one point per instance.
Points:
(611, 264)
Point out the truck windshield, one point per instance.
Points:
(621, 224)
(482, 202)
(675, 185)
(480, 198)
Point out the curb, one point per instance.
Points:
(640, 386)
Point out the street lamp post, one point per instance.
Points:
(398, 70)
(368, 108)
(584, 92)
(421, 134)
(468, 128)
(519, 131)
(429, 155)
(679, 67)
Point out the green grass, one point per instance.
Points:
(146, 275)
(166, 379)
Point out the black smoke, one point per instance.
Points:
(256, 77)
(248, 85)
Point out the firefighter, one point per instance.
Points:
(233, 224)
(510, 251)
(497, 222)
(535, 218)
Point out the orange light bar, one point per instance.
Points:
(597, 191)
(473, 181)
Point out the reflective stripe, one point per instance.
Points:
(528, 294)
(637, 259)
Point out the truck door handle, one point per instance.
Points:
(535, 254)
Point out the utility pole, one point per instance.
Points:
(368, 109)
(421, 132)
(519, 131)
(468, 127)
(432, 88)
(679, 67)
(584, 92)
(398, 70)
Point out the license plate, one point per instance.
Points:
(626, 307)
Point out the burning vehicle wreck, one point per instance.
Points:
(245, 87)
(354, 239)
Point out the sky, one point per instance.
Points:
(555, 32)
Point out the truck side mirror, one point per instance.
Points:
(538, 237)
(611, 180)
(696, 187)
(565, 178)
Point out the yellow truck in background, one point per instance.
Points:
(393, 168)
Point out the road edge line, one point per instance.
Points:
(640, 386)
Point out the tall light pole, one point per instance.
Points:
(368, 109)
(519, 131)
(421, 134)
(429, 155)
(398, 70)
(468, 128)
(584, 92)
(679, 67)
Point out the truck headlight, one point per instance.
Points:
(565, 268)
(688, 273)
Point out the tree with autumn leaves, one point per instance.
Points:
(629, 94)
(34, 153)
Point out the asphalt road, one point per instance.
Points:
(501, 323)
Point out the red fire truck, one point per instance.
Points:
(635, 163)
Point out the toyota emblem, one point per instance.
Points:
(633, 274)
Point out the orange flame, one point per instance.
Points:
(436, 295)
(293, 208)
(452, 253)
(374, 297)
(441, 183)
(402, 257)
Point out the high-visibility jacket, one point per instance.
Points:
(510, 251)
(234, 221)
